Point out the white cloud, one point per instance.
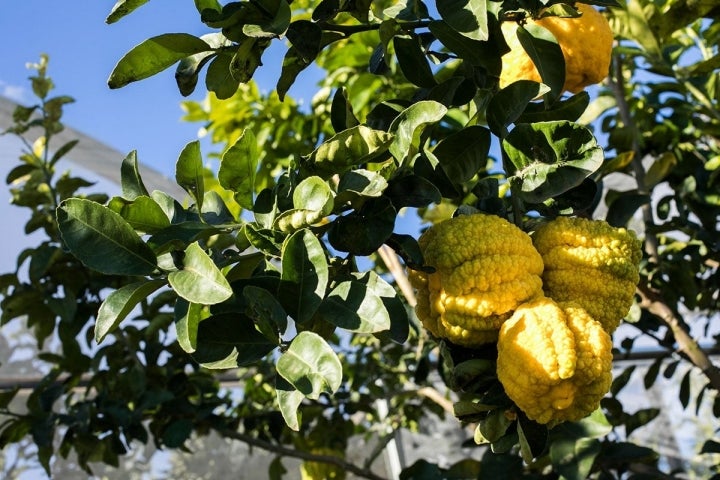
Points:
(13, 92)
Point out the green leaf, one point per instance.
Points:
(341, 112)
(595, 425)
(399, 318)
(122, 8)
(275, 20)
(412, 191)
(120, 303)
(102, 240)
(710, 446)
(507, 105)
(313, 201)
(230, 340)
(62, 151)
(200, 280)
(570, 109)
(364, 231)
(266, 311)
(550, 158)
(533, 438)
(289, 399)
(660, 168)
(640, 418)
(305, 269)
(177, 432)
(143, 214)
(408, 126)
(358, 184)
(652, 373)
(311, 365)
(623, 205)
(468, 17)
(188, 69)
(354, 307)
(684, 394)
(355, 146)
(189, 172)
(492, 427)
(573, 458)
(238, 168)
(153, 56)
(412, 61)
(486, 54)
(621, 380)
(464, 153)
(130, 179)
(187, 319)
(218, 78)
(542, 47)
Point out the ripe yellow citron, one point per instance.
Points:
(586, 43)
(484, 268)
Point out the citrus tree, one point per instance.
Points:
(552, 212)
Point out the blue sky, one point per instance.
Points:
(83, 49)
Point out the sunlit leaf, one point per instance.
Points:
(119, 303)
(153, 56)
(311, 365)
(200, 280)
(238, 167)
(305, 269)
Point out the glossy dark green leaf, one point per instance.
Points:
(247, 58)
(274, 21)
(410, 123)
(625, 452)
(485, 54)
(507, 105)
(468, 17)
(153, 56)
(218, 78)
(118, 305)
(464, 153)
(359, 183)
(189, 171)
(595, 425)
(143, 214)
(412, 61)
(570, 109)
(230, 340)
(199, 280)
(354, 307)
(266, 311)
(363, 232)
(102, 239)
(123, 8)
(355, 146)
(130, 179)
(710, 446)
(304, 266)
(238, 168)
(550, 158)
(188, 69)
(341, 112)
(202, 5)
(412, 191)
(573, 458)
(187, 319)
(492, 427)
(542, 47)
(306, 37)
(289, 399)
(310, 365)
(422, 470)
(652, 373)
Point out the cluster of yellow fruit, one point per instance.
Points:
(550, 301)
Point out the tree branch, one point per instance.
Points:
(291, 452)
(653, 303)
(389, 257)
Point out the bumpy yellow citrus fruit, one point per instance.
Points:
(586, 43)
